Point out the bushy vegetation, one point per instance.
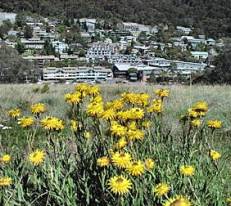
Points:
(211, 17)
(14, 69)
(119, 151)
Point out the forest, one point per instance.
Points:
(211, 17)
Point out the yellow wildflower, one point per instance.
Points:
(135, 134)
(121, 159)
(201, 107)
(87, 135)
(156, 106)
(121, 143)
(178, 200)
(94, 90)
(119, 185)
(135, 168)
(196, 122)
(5, 159)
(162, 92)
(161, 189)
(214, 124)
(37, 157)
(14, 113)
(73, 98)
(149, 164)
(103, 161)
(187, 170)
(74, 125)
(118, 130)
(214, 155)
(109, 114)
(5, 181)
(26, 122)
(52, 123)
(38, 108)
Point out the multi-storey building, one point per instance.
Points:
(41, 61)
(101, 51)
(76, 73)
(33, 43)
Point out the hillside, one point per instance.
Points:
(210, 16)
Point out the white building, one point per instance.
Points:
(136, 28)
(77, 73)
(33, 43)
(60, 47)
(184, 30)
(200, 55)
(180, 66)
(7, 16)
(101, 51)
(128, 59)
(41, 60)
(89, 24)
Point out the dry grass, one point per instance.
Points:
(218, 98)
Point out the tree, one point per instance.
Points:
(4, 28)
(221, 73)
(48, 48)
(20, 47)
(14, 69)
(28, 32)
(20, 20)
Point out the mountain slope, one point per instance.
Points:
(211, 16)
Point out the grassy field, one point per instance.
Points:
(181, 97)
(130, 155)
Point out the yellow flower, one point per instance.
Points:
(140, 99)
(118, 130)
(73, 98)
(94, 91)
(214, 124)
(192, 113)
(95, 109)
(178, 200)
(156, 106)
(214, 155)
(135, 168)
(115, 104)
(103, 161)
(5, 181)
(162, 92)
(87, 135)
(14, 113)
(119, 185)
(161, 189)
(132, 114)
(201, 107)
(196, 122)
(149, 164)
(121, 160)
(187, 170)
(5, 159)
(121, 143)
(74, 125)
(83, 88)
(52, 123)
(37, 157)
(109, 114)
(26, 122)
(38, 108)
(135, 134)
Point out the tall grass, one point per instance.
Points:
(70, 174)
